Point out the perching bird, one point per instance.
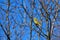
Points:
(37, 22)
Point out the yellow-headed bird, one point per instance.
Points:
(37, 22)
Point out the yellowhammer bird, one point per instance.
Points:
(37, 22)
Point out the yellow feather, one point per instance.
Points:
(36, 21)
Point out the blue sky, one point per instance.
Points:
(18, 15)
